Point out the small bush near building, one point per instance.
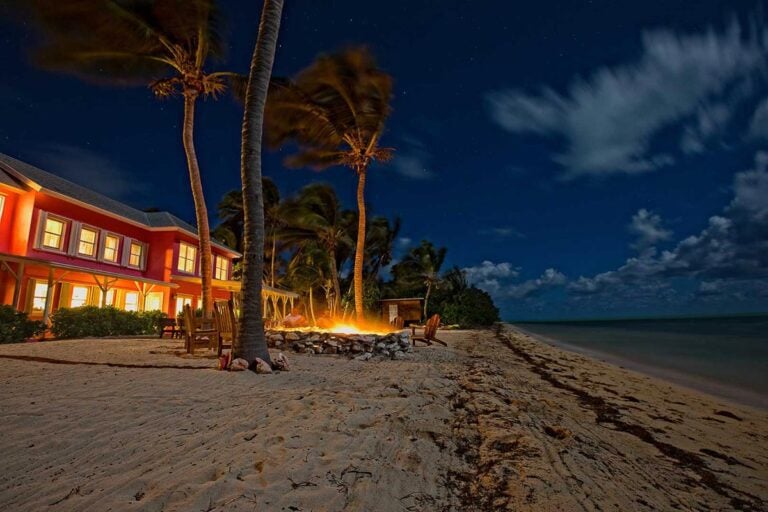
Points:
(471, 307)
(15, 327)
(93, 321)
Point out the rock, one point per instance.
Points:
(314, 338)
(398, 355)
(281, 363)
(238, 365)
(356, 347)
(330, 350)
(292, 336)
(381, 346)
(261, 366)
(298, 347)
(364, 357)
(332, 343)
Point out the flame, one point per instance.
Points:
(344, 328)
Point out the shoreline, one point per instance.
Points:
(732, 394)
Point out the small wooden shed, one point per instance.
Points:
(408, 308)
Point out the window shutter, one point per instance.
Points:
(40, 224)
(126, 251)
(74, 237)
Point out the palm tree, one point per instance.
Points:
(379, 245)
(421, 265)
(309, 269)
(163, 43)
(250, 343)
(335, 111)
(316, 214)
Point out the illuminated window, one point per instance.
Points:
(38, 299)
(87, 244)
(187, 256)
(131, 301)
(110, 297)
(111, 245)
(136, 254)
(2, 204)
(222, 268)
(181, 301)
(154, 301)
(53, 233)
(79, 296)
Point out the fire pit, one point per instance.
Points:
(342, 339)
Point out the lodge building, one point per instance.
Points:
(63, 245)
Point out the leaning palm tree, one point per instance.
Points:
(335, 111)
(380, 244)
(163, 43)
(316, 214)
(250, 342)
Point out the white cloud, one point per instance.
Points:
(751, 188)
(608, 121)
(414, 160)
(647, 226)
(502, 232)
(711, 120)
(404, 241)
(488, 275)
(549, 279)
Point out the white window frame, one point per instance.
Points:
(187, 247)
(35, 297)
(126, 260)
(103, 247)
(125, 300)
(225, 268)
(87, 298)
(79, 239)
(44, 217)
(181, 300)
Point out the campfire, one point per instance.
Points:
(361, 342)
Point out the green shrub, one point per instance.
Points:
(15, 327)
(92, 321)
(471, 307)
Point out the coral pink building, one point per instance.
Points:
(63, 245)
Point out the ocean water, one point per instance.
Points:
(726, 356)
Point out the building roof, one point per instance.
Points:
(13, 171)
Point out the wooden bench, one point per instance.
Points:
(168, 326)
(430, 330)
(196, 335)
(226, 324)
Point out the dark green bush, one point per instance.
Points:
(15, 327)
(471, 307)
(92, 321)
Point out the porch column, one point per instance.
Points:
(48, 298)
(19, 278)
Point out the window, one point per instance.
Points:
(131, 301)
(181, 301)
(2, 204)
(38, 298)
(154, 301)
(79, 296)
(87, 244)
(110, 297)
(136, 254)
(111, 245)
(187, 256)
(222, 268)
(53, 233)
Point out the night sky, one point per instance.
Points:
(579, 158)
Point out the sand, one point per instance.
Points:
(489, 423)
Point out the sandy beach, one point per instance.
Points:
(495, 421)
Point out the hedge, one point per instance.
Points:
(93, 321)
(15, 327)
(470, 308)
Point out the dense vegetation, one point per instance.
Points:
(94, 321)
(15, 327)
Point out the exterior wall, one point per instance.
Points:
(19, 225)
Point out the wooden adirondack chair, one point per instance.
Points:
(226, 324)
(196, 336)
(398, 322)
(430, 330)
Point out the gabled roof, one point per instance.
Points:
(13, 172)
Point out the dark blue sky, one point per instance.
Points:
(580, 159)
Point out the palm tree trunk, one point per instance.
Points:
(251, 342)
(272, 262)
(312, 307)
(336, 285)
(426, 298)
(360, 247)
(201, 211)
